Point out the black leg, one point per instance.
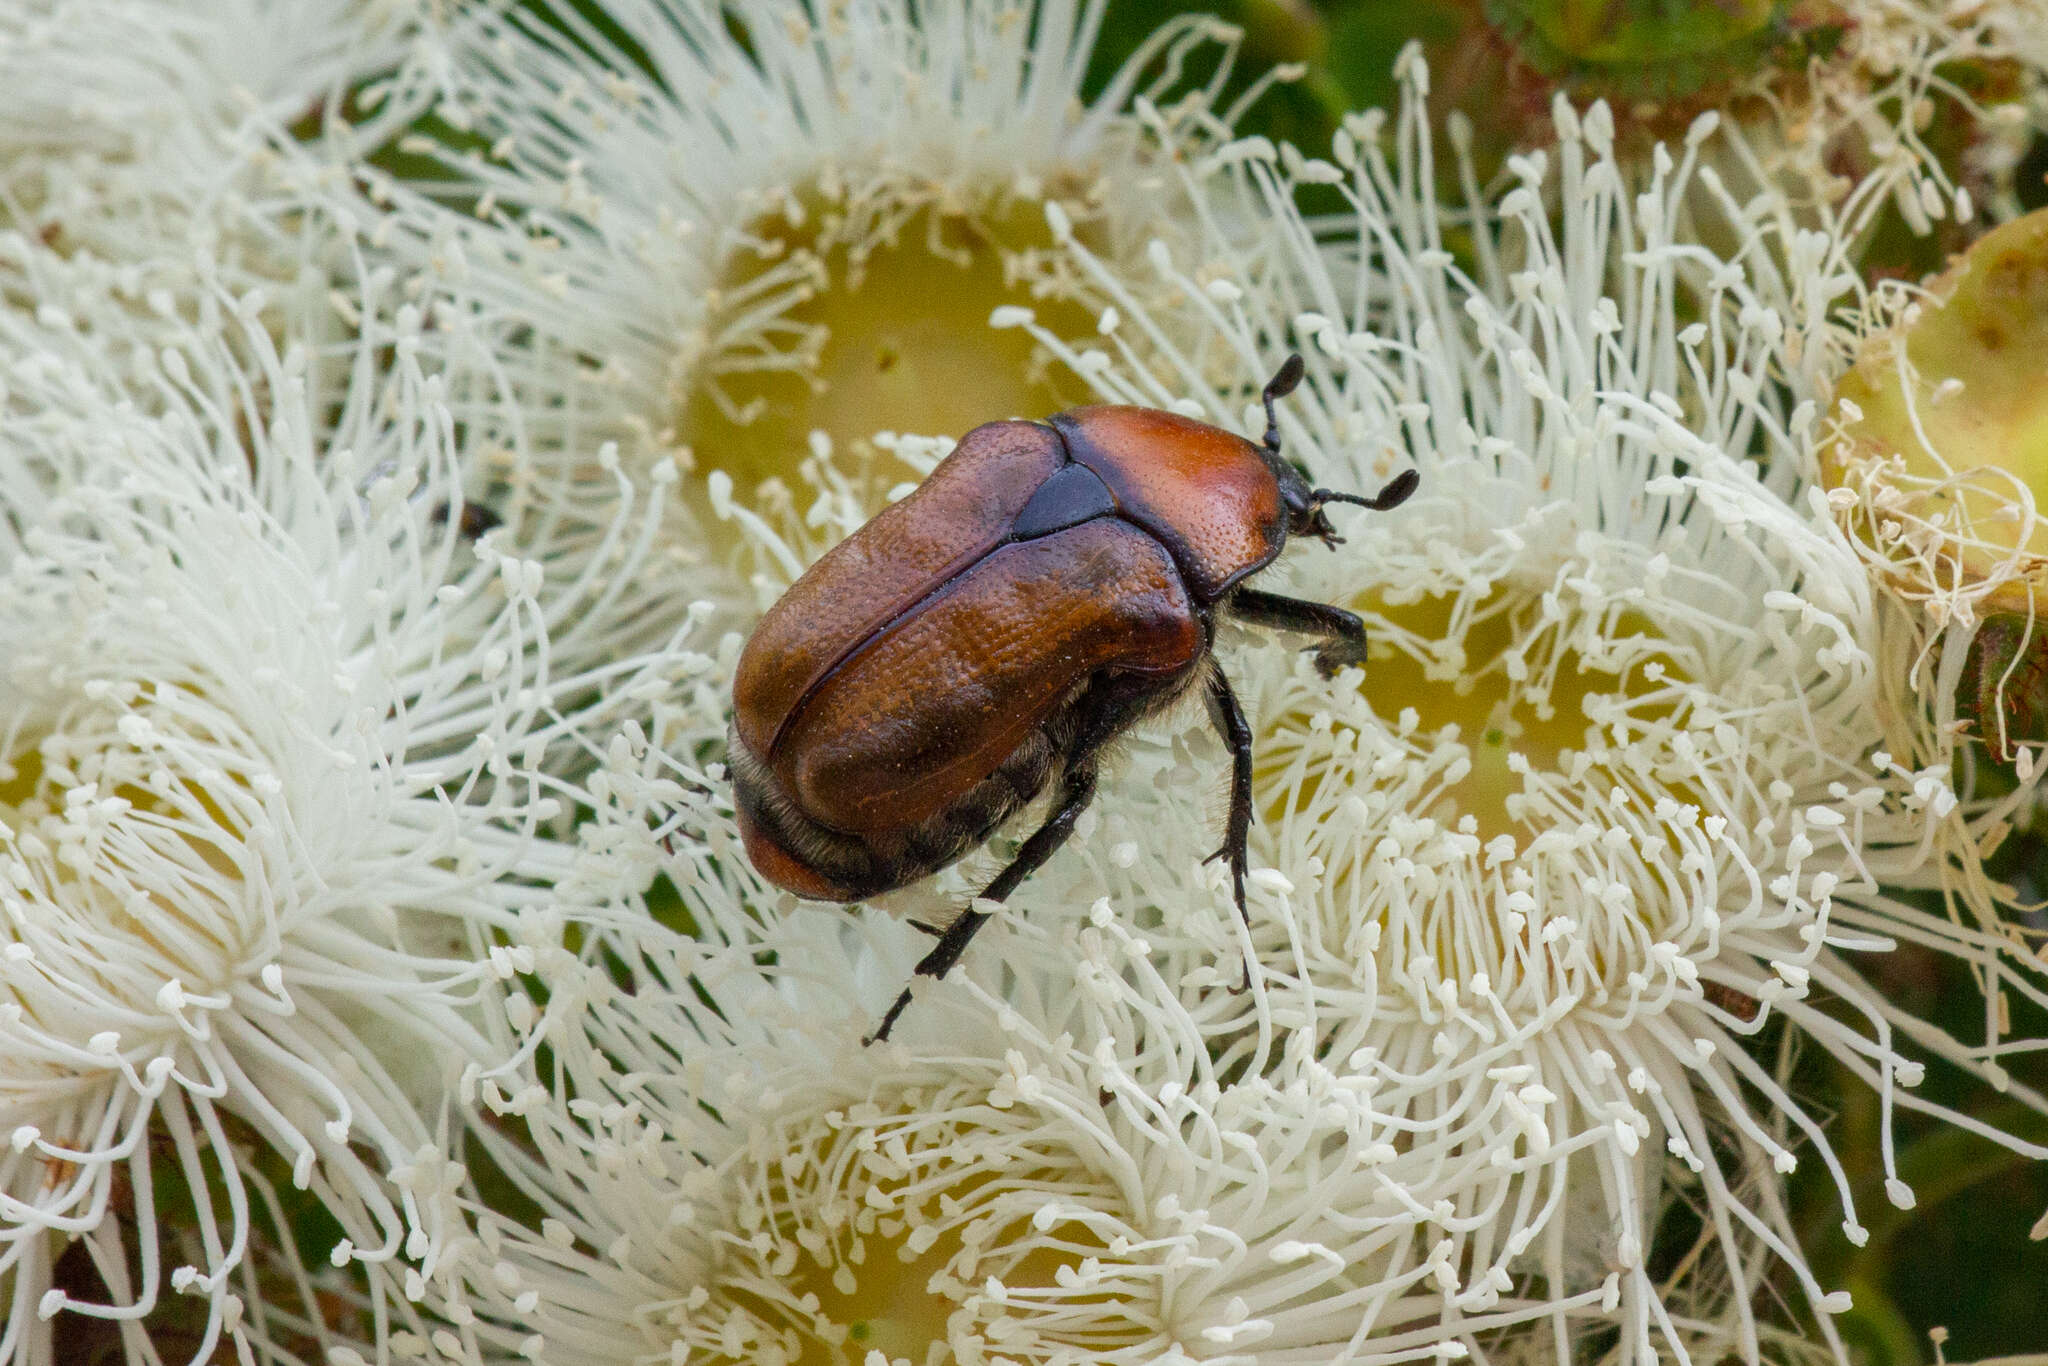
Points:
(1077, 791)
(1237, 734)
(1343, 631)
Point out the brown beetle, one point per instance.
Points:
(1049, 585)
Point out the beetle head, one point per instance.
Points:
(1298, 493)
(1394, 493)
(1304, 504)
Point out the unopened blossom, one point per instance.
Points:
(1935, 469)
(1620, 786)
(271, 832)
(1849, 107)
(763, 240)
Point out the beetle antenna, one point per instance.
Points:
(1392, 496)
(1280, 386)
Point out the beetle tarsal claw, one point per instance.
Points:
(1334, 657)
(889, 1020)
(1244, 983)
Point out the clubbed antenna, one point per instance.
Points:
(1392, 496)
(1280, 386)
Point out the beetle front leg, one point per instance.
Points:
(1077, 791)
(1344, 631)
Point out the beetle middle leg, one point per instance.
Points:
(1343, 632)
(1077, 790)
(1237, 734)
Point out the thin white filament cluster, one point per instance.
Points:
(1045, 1176)
(268, 825)
(1888, 91)
(1951, 541)
(1949, 551)
(1615, 453)
(148, 151)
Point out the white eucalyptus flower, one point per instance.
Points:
(270, 829)
(740, 235)
(1047, 1163)
(1619, 800)
(148, 150)
(719, 1171)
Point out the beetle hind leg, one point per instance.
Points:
(1109, 705)
(1076, 792)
